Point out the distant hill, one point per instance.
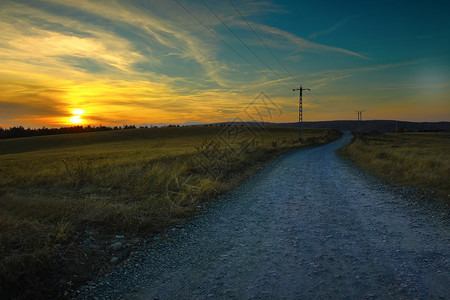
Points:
(353, 125)
(375, 125)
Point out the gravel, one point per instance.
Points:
(308, 225)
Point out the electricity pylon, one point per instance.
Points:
(300, 113)
(359, 113)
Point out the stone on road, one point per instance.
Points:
(308, 225)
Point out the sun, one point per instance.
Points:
(77, 119)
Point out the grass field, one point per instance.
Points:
(65, 199)
(418, 159)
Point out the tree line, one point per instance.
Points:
(20, 131)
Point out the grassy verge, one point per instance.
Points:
(71, 205)
(420, 160)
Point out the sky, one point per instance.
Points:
(81, 62)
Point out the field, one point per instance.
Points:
(71, 205)
(419, 159)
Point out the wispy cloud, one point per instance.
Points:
(322, 79)
(415, 86)
(303, 44)
(328, 30)
(161, 35)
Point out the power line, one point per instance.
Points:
(243, 43)
(265, 45)
(317, 96)
(217, 36)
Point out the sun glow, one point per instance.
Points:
(77, 119)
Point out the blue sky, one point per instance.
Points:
(134, 62)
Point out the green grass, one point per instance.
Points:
(57, 191)
(421, 160)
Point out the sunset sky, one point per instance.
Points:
(143, 62)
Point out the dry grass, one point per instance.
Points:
(413, 159)
(58, 191)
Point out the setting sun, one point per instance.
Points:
(76, 120)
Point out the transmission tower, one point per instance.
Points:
(359, 113)
(300, 113)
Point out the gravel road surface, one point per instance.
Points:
(308, 225)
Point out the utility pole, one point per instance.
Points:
(300, 113)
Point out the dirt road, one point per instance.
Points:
(309, 225)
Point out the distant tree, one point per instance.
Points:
(20, 131)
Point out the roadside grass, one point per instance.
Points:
(64, 198)
(418, 159)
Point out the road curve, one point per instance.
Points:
(308, 225)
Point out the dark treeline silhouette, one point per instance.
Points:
(18, 132)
